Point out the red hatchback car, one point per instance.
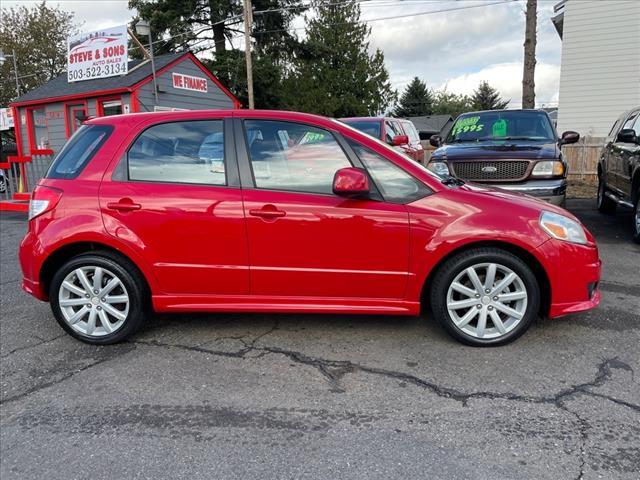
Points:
(286, 212)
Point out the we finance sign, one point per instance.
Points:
(98, 54)
(189, 82)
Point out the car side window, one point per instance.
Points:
(636, 125)
(395, 185)
(293, 156)
(179, 152)
(630, 121)
(392, 130)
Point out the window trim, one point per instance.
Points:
(246, 169)
(68, 119)
(30, 126)
(230, 164)
(101, 100)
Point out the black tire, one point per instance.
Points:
(129, 276)
(604, 203)
(636, 219)
(457, 264)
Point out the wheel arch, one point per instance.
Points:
(524, 255)
(65, 252)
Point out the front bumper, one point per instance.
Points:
(552, 191)
(574, 276)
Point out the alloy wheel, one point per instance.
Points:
(487, 300)
(93, 301)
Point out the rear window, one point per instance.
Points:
(80, 148)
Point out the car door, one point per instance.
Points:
(304, 241)
(175, 195)
(619, 158)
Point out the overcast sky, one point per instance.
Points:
(455, 49)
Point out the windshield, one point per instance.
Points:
(368, 127)
(501, 125)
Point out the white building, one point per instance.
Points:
(600, 69)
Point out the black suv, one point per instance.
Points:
(619, 168)
(517, 150)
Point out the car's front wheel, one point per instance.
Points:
(485, 297)
(98, 299)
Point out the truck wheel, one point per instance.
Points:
(636, 219)
(604, 203)
(98, 299)
(485, 297)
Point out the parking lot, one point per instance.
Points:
(315, 396)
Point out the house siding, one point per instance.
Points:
(169, 96)
(600, 73)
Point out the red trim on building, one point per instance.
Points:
(75, 96)
(135, 104)
(33, 142)
(17, 122)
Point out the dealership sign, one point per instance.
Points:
(189, 82)
(98, 54)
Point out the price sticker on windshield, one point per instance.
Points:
(468, 124)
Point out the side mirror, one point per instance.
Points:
(627, 135)
(435, 141)
(399, 140)
(350, 182)
(569, 137)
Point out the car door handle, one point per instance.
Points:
(124, 205)
(268, 211)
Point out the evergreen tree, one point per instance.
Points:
(334, 74)
(416, 100)
(485, 97)
(447, 103)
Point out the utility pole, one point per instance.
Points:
(529, 70)
(248, 21)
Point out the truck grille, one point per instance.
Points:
(501, 170)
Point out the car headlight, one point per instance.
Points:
(562, 228)
(548, 168)
(438, 167)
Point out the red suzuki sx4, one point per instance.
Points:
(268, 211)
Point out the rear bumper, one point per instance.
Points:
(574, 276)
(30, 256)
(552, 191)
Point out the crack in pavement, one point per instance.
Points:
(334, 370)
(73, 373)
(28, 347)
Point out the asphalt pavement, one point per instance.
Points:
(325, 396)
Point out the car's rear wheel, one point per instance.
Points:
(485, 297)
(636, 218)
(604, 203)
(98, 299)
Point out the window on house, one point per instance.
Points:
(39, 134)
(76, 114)
(111, 107)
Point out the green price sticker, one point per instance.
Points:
(499, 128)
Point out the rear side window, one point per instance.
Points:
(179, 152)
(80, 148)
